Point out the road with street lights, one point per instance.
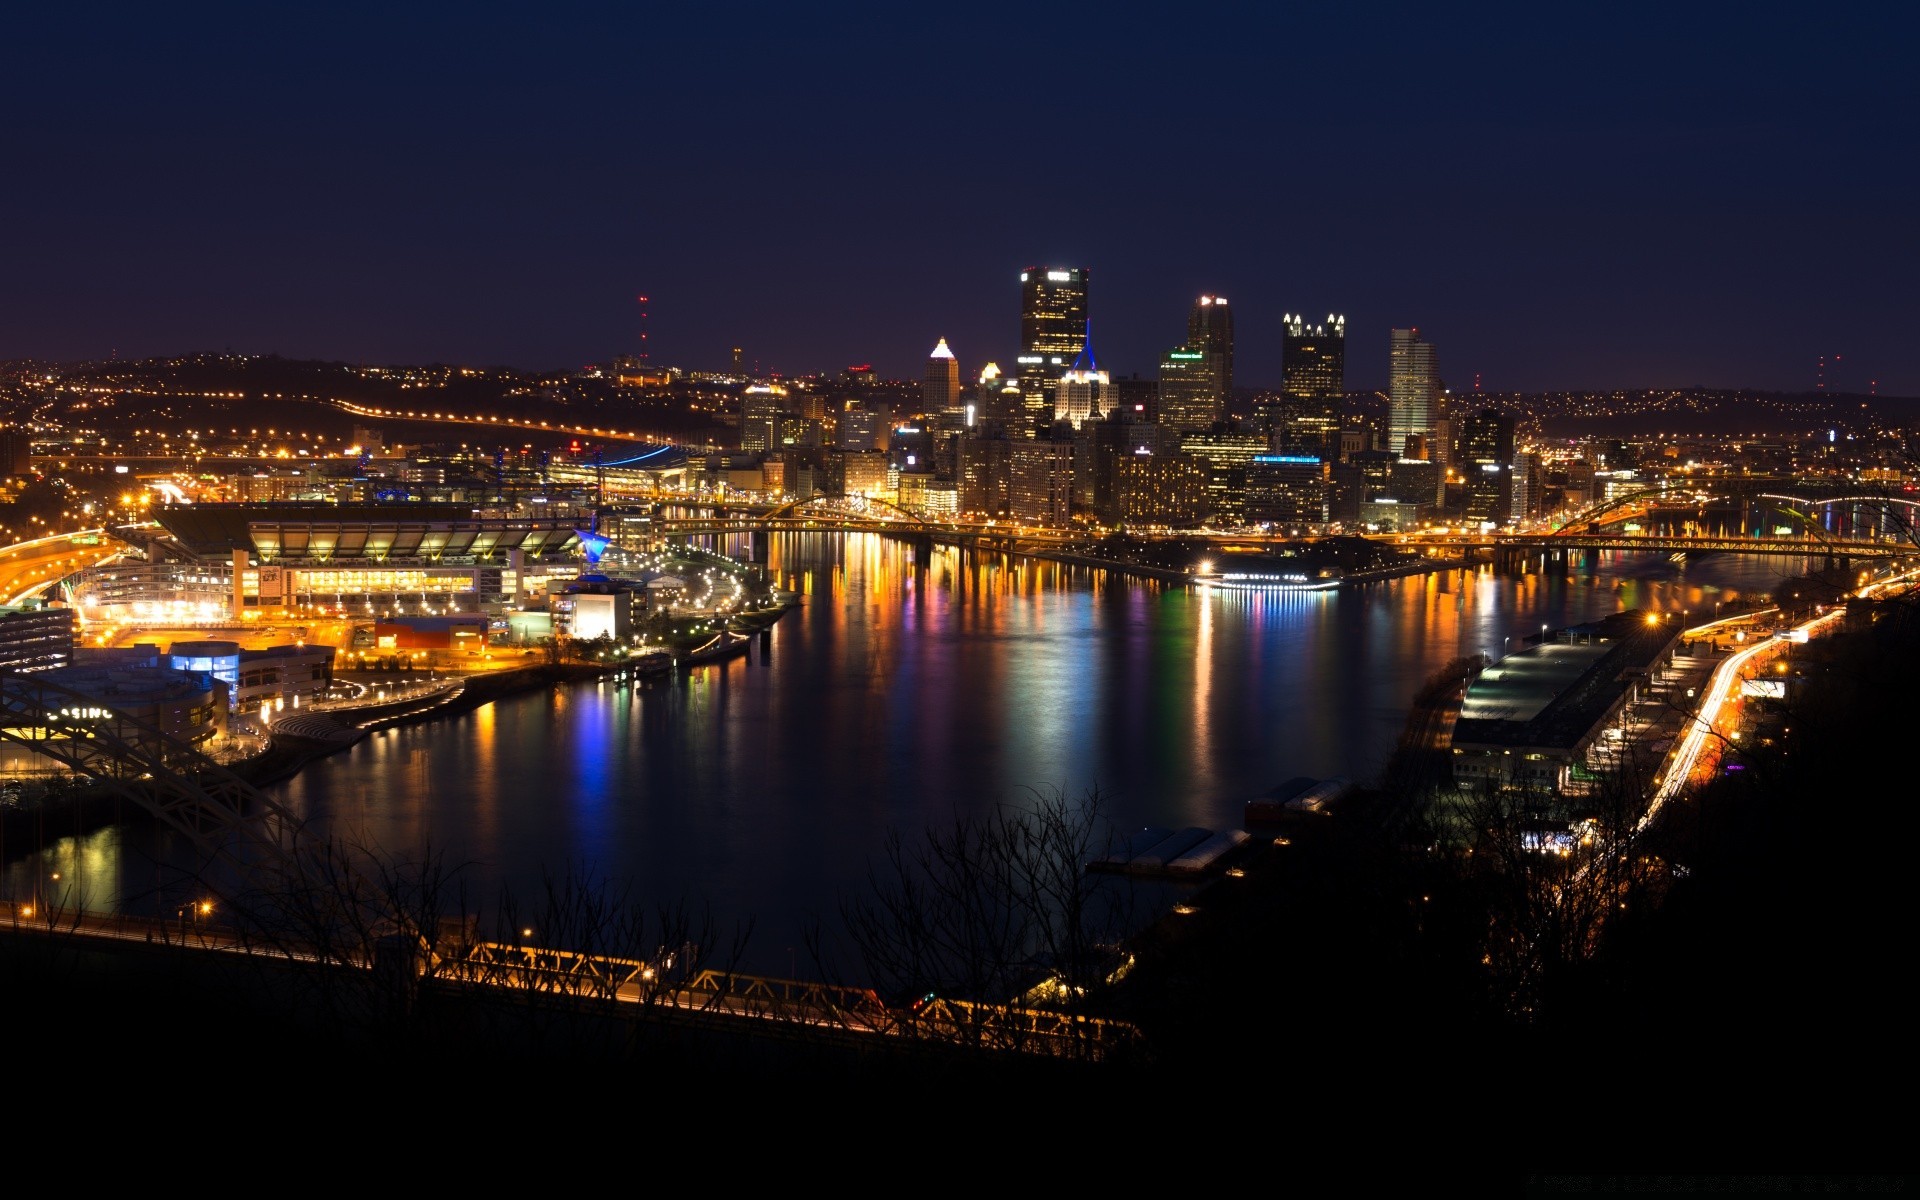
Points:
(1696, 754)
(29, 567)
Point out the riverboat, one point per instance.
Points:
(1250, 581)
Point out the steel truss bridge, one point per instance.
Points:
(286, 894)
(1795, 547)
(1599, 527)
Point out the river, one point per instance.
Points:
(897, 698)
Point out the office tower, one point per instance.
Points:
(1189, 396)
(1136, 401)
(984, 461)
(1082, 391)
(1486, 466)
(1196, 380)
(1313, 366)
(1529, 480)
(1413, 388)
(761, 408)
(940, 386)
(861, 428)
(1160, 489)
(1210, 331)
(1226, 457)
(1053, 331)
(1040, 482)
(1286, 491)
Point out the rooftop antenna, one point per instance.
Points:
(645, 359)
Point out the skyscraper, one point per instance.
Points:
(1082, 391)
(1313, 365)
(1196, 380)
(1053, 331)
(1486, 453)
(1189, 398)
(1413, 389)
(1210, 331)
(940, 386)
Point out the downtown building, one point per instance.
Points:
(1168, 490)
(1083, 392)
(1227, 458)
(1413, 394)
(1210, 331)
(1313, 363)
(1417, 427)
(1053, 332)
(1040, 481)
(1196, 378)
(940, 385)
(1486, 464)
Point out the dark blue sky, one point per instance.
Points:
(1560, 196)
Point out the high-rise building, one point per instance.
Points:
(1313, 358)
(983, 474)
(1053, 331)
(861, 427)
(1486, 466)
(1040, 482)
(761, 407)
(1083, 391)
(1136, 400)
(1196, 380)
(1189, 397)
(1210, 331)
(1413, 390)
(1160, 489)
(1226, 457)
(940, 386)
(1286, 490)
(1313, 365)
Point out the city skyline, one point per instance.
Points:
(1720, 206)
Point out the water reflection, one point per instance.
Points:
(898, 697)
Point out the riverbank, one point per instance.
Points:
(298, 740)
(1172, 575)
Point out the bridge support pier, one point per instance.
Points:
(761, 545)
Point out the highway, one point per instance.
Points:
(28, 567)
(1717, 720)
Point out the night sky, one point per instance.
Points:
(1559, 196)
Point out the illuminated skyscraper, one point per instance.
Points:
(1196, 380)
(1313, 365)
(761, 407)
(1486, 453)
(1189, 397)
(1413, 389)
(940, 387)
(1082, 391)
(1053, 331)
(1210, 331)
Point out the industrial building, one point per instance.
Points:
(1530, 719)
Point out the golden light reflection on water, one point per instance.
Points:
(898, 696)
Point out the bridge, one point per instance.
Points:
(793, 518)
(1791, 547)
